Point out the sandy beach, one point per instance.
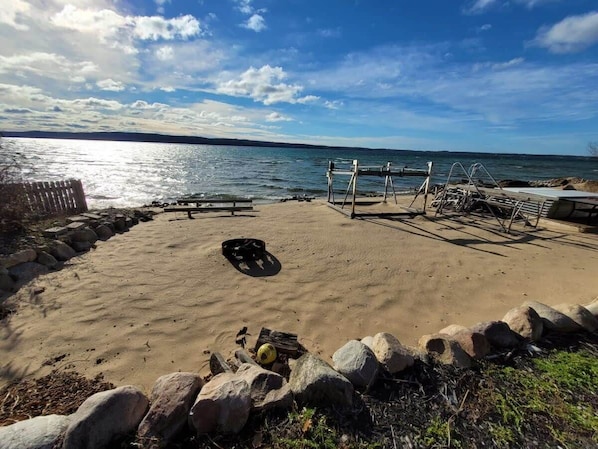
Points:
(158, 298)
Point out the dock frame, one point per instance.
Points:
(387, 172)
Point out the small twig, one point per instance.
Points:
(394, 441)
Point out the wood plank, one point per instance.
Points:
(244, 357)
(218, 364)
(284, 342)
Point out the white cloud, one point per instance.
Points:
(498, 65)
(110, 85)
(10, 12)
(156, 27)
(245, 6)
(335, 104)
(531, 3)
(165, 53)
(276, 117)
(167, 89)
(264, 85)
(570, 35)
(48, 65)
(255, 23)
(330, 32)
(479, 6)
(485, 27)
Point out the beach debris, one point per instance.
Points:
(442, 348)
(106, 417)
(41, 432)
(218, 364)
(171, 400)
(552, 319)
(269, 390)
(266, 354)
(357, 362)
(284, 342)
(223, 405)
(525, 321)
(391, 354)
(244, 357)
(578, 313)
(498, 333)
(240, 338)
(315, 383)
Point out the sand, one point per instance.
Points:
(158, 298)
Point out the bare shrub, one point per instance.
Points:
(593, 149)
(14, 209)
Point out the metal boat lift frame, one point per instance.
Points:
(387, 172)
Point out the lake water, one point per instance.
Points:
(124, 174)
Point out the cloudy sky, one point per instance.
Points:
(471, 75)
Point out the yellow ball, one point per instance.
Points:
(266, 354)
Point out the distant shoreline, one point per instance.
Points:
(197, 140)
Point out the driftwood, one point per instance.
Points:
(284, 342)
(218, 364)
(244, 357)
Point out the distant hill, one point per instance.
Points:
(150, 137)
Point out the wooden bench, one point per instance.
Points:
(191, 204)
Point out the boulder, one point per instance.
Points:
(7, 283)
(104, 232)
(525, 321)
(84, 235)
(47, 260)
(23, 256)
(498, 334)
(368, 341)
(552, 319)
(315, 383)
(105, 417)
(120, 223)
(268, 389)
(452, 329)
(28, 271)
(172, 397)
(389, 351)
(81, 247)
(357, 362)
(41, 432)
(473, 343)
(582, 316)
(443, 349)
(223, 405)
(61, 251)
(593, 307)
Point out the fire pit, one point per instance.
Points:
(243, 249)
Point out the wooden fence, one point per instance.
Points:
(55, 197)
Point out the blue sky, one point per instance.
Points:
(468, 75)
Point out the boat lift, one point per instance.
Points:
(387, 172)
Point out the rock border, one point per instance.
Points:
(225, 402)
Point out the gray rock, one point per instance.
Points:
(105, 417)
(473, 343)
(84, 235)
(23, 256)
(81, 246)
(172, 397)
(61, 251)
(498, 333)
(442, 348)
(223, 405)
(593, 307)
(40, 432)
(452, 329)
(269, 390)
(389, 351)
(525, 321)
(7, 283)
(357, 362)
(582, 316)
(47, 260)
(120, 223)
(314, 382)
(28, 271)
(104, 232)
(552, 319)
(368, 341)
